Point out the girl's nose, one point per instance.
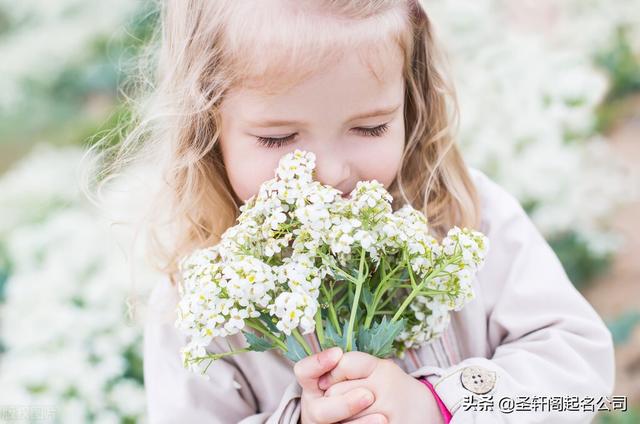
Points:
(333, 170)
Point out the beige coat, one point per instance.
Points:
(528, 331)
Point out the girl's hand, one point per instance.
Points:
(318, 409)
(398, 396)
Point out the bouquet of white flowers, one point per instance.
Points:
(302, 258)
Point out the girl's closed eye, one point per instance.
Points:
(275, 142)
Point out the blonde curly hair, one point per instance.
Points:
(203, 49)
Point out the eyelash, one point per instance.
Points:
(271, 142)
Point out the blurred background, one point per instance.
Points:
(550, 108)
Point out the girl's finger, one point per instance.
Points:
(344, 387)
(338, 408)
(352, 366)
(369, 419)
(308, 370)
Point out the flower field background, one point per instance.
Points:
(550, 108)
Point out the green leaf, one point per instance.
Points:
(404, 276)
(581, 263)
(366, 296)
(622, 327)
(378, 340)
(332, 338)
(295, 351)
(256, 343)
(360, 313)
(266, 319)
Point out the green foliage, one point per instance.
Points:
(609, 113)
(268, 320)
(623, 68)
(332, 338)
(6, 24)
(295, 351)
(378, 340)
(256, 343)
(134, 365)
(60, 107)
(529, 205)
(622, 327)
(622, 65)
(5, 269)
(366, 297)
(580, 263)
(631, 416)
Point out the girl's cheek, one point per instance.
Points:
(382, 163)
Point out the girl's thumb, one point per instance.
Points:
(311, 368)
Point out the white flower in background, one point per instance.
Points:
(68, 342)
(522, 98)
(49, 36)
(27, 197)
(528, 90)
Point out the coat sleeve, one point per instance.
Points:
(175, 394)
(546, 339)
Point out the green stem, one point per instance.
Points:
(340, 301)
(333, 317)
(417, 289)
(258, 326)
(424, 292)
(429, 292)
(338, 270)
(302, 341)
(386, 302)
(356, 301)
(380, 290)
(408, 263)
(215, 356)
(413, 281)
(319, 329)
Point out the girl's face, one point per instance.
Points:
(353, 122)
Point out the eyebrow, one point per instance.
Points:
(280, 123)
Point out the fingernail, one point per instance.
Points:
(322, 383)
(333, 354)
(366, 398)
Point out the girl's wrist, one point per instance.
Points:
(443, 411)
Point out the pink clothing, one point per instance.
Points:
(446, 415)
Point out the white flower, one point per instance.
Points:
(295, 309)
(79, 277)
(296, 166)
(272, 262)
(472, 245)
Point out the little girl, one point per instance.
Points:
(359, 83)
